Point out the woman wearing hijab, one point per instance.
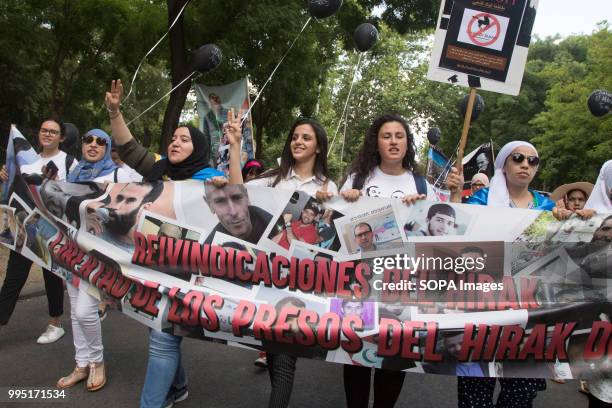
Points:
(188, 157)
(515, 167)
(252, 169)
(96, 165)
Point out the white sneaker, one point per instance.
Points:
(52, 334)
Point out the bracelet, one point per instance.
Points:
(116, 114)
(288, 225)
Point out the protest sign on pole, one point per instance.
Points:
(483, 43)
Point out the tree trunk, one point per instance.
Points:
(179, 69)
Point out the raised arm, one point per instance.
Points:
(234, 134)
(119, 130)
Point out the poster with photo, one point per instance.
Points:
(39, 231)
(427, 219)
(374, 230)
(306, 220)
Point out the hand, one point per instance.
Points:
(351, 195)
(455, 180)
(4, 174)
(113, 98)
(287, 217)
(218, 181)
(586, 213)
(413, 198)
(232, 128)
(323, 195)
(561, 213)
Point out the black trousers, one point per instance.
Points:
(476, 392)
(597, 403)
(387, 386)
(281, 368)
(17, 271)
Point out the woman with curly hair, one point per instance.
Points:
(384, 167)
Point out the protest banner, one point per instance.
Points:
(427, 288)
(213, 103)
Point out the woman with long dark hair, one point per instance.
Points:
(384, 167)
(188, 157)
(303, 167)
(303, 164)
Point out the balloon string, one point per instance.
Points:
(447, 166)
(345, 104)
(160, 99)
(344, 137)
(151, 50)
(246, 115)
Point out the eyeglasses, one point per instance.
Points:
(533, 161)
(52, 132)
(90, 139)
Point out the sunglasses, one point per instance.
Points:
(90, 139)
(533, 161)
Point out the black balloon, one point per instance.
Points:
(323, 8)
(600, 102)
(365, 36)
(479, 106)
(206, 58)
(434, 135)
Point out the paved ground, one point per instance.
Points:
(219, 376)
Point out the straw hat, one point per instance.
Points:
(562, 190)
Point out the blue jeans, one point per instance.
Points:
(164, 370)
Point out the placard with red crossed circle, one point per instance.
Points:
(483, 29)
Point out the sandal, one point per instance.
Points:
(97, 376)
(75, 377)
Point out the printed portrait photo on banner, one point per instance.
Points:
(62, 199)
(449, 345)
(307, 220)
(366, 311)
(115, 218)
(375, 230)
(435, 220)
(39, 231)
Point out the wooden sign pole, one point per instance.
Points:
(456, 196)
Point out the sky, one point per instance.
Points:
(568, 17)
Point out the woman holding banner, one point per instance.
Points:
(384, 167)
(188, 157)
(303, 167)
(98, 166)
(515, 167)
(55, 164)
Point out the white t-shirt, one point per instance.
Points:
(122, 177)
(59, 160)
(310, 185)
(379, 184)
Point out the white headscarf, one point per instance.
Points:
(599, 200)
(498, 190)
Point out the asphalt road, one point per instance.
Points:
(219, 376)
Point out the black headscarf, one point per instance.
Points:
(197, 160)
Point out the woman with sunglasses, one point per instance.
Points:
(188, 157)
(96, 165)
(53, 163)
(303, 167)
(515, 167)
